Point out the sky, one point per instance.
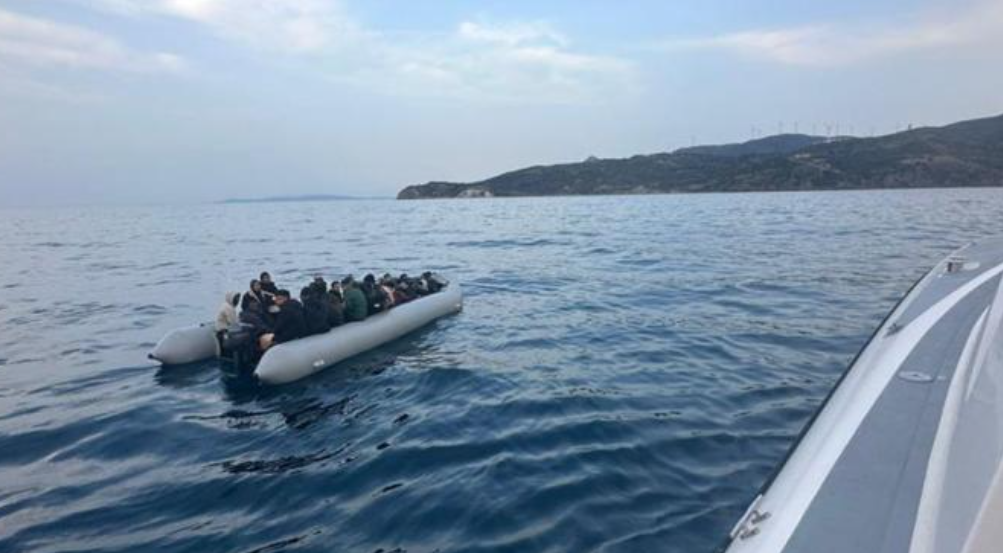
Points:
(181, 101)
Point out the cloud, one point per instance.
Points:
(512, 34)
(831, 45)
(297, 26)
(520, 61)
(516, 61)
(510, 62)
(29, 41)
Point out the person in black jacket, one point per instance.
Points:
(319, 285)
(290, 323)
(315, 308)
(375, 301)
(254, 294)
(267, 284)
(432, 281)
(253, 317)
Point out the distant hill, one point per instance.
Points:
(302, 198)
(963, 154)
(776, 144)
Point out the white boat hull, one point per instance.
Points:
(187, 345)
(300, 358)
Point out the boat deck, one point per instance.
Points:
(884, 451)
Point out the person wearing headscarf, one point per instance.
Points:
(254, 294)
(268, 286)
(227, 314)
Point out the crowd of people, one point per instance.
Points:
(272, 316)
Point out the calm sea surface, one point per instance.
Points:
(626, 373)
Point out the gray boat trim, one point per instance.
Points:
(881, 471)
(897, 440)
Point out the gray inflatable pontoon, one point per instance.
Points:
(301, 358)
(906, 454)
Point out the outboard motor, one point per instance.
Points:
(237, 346)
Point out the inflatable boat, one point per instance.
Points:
(904, 456)
(300, 358)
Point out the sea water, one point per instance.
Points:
(626, 372)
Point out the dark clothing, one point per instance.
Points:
(252, 318)
(355, 305)
(318, 286)
(419, 287)
(315, 310)
(434, 284)
(375, 302)
(290, 322)
(251, 297)
(336, 310)
(268, 291)
(267, 294)
(367, 292)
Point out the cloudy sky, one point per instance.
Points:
(146, 101)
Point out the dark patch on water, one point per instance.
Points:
(590, 391)
(391, 487)
(528, 243)
(280, 465)
(283, 545)
(237, 418)
(315, 412)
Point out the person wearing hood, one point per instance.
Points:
(432, 281)
(227, 314)
(290, 324)
(254, 294)
(268, 285)
(356, 306)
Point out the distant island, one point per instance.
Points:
(965, 154)
(301, 198)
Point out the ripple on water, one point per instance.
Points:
(625, 374)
